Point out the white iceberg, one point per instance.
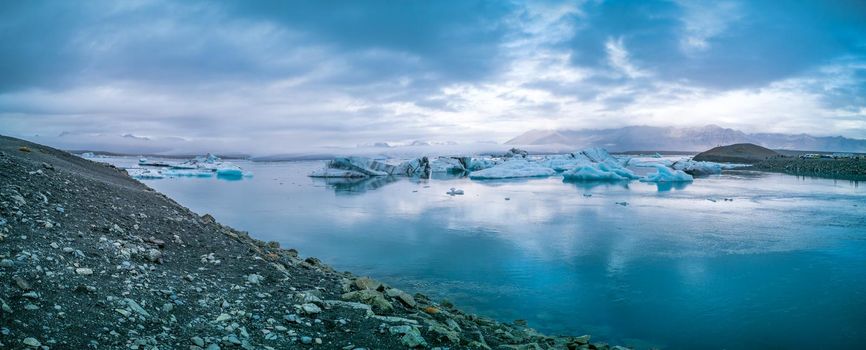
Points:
(665, 174)
(697, 168)
(605, 171)
(187, 173)
(447, 165)
(515, 168)
(229, 170)
(145, 174)
(360, 165)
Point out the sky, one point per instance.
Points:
(275, 76)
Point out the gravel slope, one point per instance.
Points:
(90, 258)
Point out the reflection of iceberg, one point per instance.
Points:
(665, 174)
(515, 168)
(590, 185)
(357, 185)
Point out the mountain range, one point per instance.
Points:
(692, 139)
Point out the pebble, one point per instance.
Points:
(84, 271)
(198, 341)
(306, 340)
(311, 308)
(32, 342)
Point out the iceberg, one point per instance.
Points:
(697, 168)
(516, 153)
(229, 170)
(665, 174)
(448, 165)
(146, 162)
(145, 174)
(515, 168)
(454, 192)
(605, 171)
(187, 173)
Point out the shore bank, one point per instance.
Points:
(843, 168)
(90, 258)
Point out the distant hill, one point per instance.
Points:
(693, 139)
(737, 153)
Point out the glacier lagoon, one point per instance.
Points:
(783, 265)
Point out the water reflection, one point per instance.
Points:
(590, 185)
(668, 186)
(350, 186)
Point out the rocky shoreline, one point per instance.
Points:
(90, 258)
(844, 168)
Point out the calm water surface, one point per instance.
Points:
(783, 265)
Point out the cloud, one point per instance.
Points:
(270, 76)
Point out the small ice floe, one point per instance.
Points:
(712, 200)
(147, 162)
(665, 174)
(728, 199)
(625, 204)
(515, 168)
(145, 174)
(587, 195)
(88, 155)
(455, 192)
(508, 198)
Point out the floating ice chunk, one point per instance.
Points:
(362, 165)
(625, 204)
(447, 165)
(147, 162)
(145, 174)
(417, 166)
(516, 153)
(173, 172)
(229, 170)
(476, 164)
(697, 168)
(514, 168)
(606, 171)
(665, 174)
(88, 155)
(596, 154)
(454, 192)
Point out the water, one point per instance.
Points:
(783, 265)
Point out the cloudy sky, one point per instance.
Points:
(267, 76)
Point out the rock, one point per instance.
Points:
(84, 271)
(137, 308)
(402, 296)
(213, 347)
(31, 295)
(198, 341)
(443, 334)
(370, 297)
(223, 317)
(411, 336)
(154, 255)
(306, 340)
(366, 283)
(311, 308)
(255, 278)
(6, 263)
(32, 342)
(582, 340)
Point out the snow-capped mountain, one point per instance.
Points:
(650, 138)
